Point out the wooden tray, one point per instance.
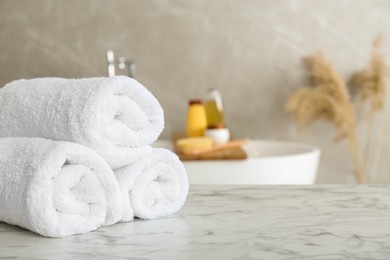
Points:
(229, 151)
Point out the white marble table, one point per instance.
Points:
(235, 222)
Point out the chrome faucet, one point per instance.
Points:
(111, 63)
(123, 64)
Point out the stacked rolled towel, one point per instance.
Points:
(115, 116)
(55, 188)
(154, 186)
(60, 188)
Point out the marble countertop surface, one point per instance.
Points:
(235, 222)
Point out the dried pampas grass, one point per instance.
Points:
(371, 84)
(328, 99)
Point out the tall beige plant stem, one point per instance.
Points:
(367, 146)
(378, 150)
(357, 157)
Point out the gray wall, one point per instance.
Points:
(250, 50)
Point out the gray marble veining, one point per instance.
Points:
(235, 222)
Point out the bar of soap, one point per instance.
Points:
(194, 144)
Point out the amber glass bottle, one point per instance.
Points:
(196, 119)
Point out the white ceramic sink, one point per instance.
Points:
(270, 162)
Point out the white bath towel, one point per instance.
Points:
(110, 115)
(56, 188)
(155, 186)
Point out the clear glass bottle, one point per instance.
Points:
(214, 108)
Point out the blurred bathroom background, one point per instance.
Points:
(251, 50)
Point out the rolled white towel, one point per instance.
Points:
(110, 115)
(55, 188)
(155, 186)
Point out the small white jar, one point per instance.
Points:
(219, 135)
